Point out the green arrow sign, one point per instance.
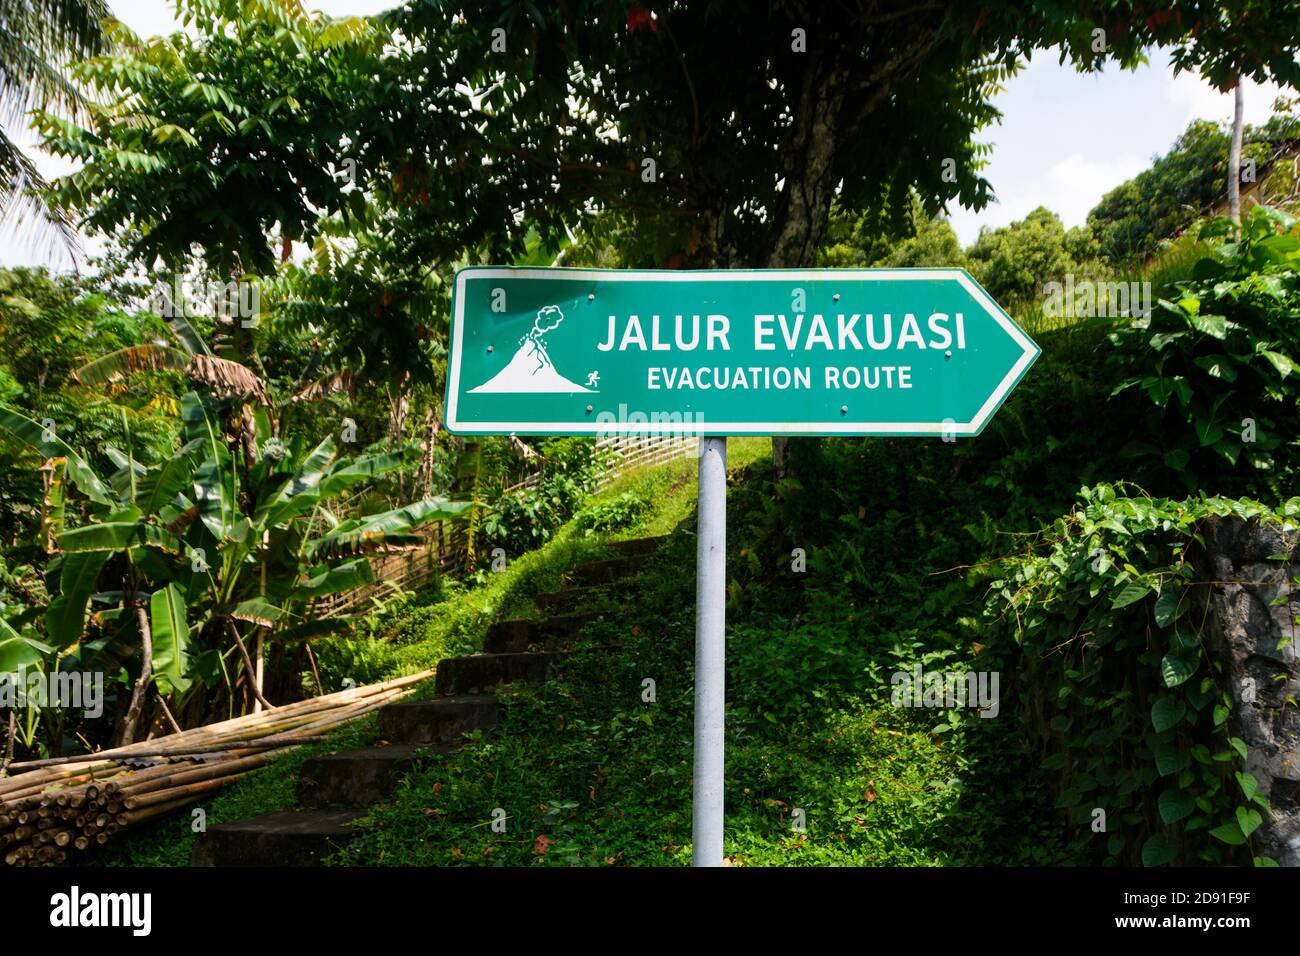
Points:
(728, 352)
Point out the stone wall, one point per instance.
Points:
(1253, 634)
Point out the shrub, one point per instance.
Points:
(1215, 366)
(525, 518)
(617, 514)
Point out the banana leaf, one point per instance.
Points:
(348, 473)
(162, 483)
(319, 627)
(171, 638)
(215, 488)
(342, 577)
(257, 611)
(18, 653)
(385, 528)
(188, 337)
(33, 434)
(129, 361)
(110, 536)
(65, 619)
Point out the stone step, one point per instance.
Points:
(566, 598)
(441, 720)
(638, 545)
(287, 838)
(519, 635)
(608, 570)
(484, 673)
(356, 778)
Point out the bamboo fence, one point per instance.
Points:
(443, 548)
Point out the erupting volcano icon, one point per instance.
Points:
(531, 369)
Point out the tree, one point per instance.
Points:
(853, 242)
(725, 131)
(1234, 154)
(187, 556)
(227, 143)
(708, 134)
(38, 41)
(1183, 184)
(1014, 262)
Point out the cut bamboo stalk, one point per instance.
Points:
(148, 813)
(144, 800)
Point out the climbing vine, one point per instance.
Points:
(1129, 708)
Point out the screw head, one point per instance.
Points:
(837, 297)
(844, 409)
(591, 297)
(490, 348)
(948, 354)
(588, 409)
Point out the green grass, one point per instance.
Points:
(587, 772)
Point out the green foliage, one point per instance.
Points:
(1014, 262)
(209, 545)
(241, 116)
(1130, 707)
(1217, 365)
(1181, 185)
(854, 241)
(521, 519)
(616, 514)
(359, 660)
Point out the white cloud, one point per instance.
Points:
(1197, 99)
(1074, 185)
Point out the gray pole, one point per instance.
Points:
(710, 652)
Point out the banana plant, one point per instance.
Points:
(188, 555)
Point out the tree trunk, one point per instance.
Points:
(1234, 155)
(806, 201)
(429, 439)
(127, 734)
(401, 404)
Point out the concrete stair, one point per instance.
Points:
(333, 787)
(566, 599)
(639, 546)
(358, 778)
(289, 838)
(441, 720)
(505, 637)
(484, 673)
(607, 571)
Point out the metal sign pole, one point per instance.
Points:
(710, 652)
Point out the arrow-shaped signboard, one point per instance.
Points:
(733, 352)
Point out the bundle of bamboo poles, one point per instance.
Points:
(52, 808)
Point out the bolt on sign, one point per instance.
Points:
(729, 352)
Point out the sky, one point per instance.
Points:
(1065, 139)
